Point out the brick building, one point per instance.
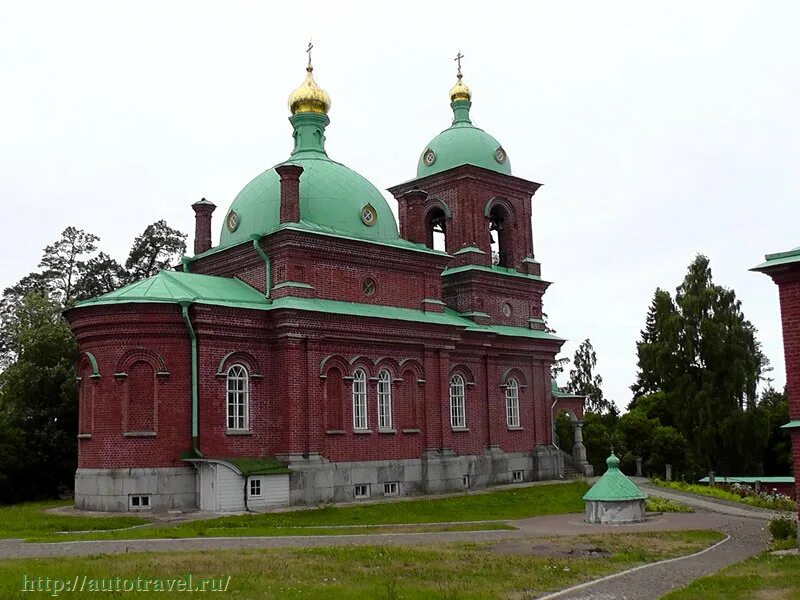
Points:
(318, 353)
(784, 268)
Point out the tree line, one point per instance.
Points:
(695, 402)
(38, 390)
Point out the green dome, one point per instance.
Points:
(462, 144)
(331, 195)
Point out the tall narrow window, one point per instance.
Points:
(499, 236)
(384, 400)
(458, 416)
(359, 400)
(435, 229)
(238, 398)
(141, 391)
(333, 399)
(512, 403)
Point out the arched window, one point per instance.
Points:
(359, 399)
(499, 235)
(458, 415)
(512, 403)
(238, 401)
(384, 400)
(435, 229)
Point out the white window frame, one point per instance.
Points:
(237, 398)
(512, 403)
(361, 490)
(384, 400)
(391, 488)
(255, 488)
(139, 502)
(458, 412)
(518, 476)
(360, 419)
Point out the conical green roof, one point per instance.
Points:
(614, 486)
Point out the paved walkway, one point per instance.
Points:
(745, 526)
(748, 537)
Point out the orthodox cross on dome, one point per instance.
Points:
(308, 50)
(458, 58)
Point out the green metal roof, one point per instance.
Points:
(462, 144)
(791, 425)
(331, 194)
(175, 287)
(779, 258)
(559, 393)
(497, 270)
(257, 466)
(614, 486)
(770, 479)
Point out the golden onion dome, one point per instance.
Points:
(309, 97)
(460, 91)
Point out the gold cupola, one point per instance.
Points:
(309, 97)
(460, 91)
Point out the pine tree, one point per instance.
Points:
(62, 261)
(159, 247)
(584, 382)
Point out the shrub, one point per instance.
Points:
(782, 528)
(656, 504)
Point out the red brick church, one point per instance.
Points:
(317, 353)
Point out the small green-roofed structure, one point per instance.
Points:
(614, 498)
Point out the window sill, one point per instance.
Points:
(412, 430)
(516, 428)
(335, 432)
(362, 431)
(387, 430)
(84, 436)
(238, 432)
(459, 429)
(139, 434)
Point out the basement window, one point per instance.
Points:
(465, 481)
(391, 488)
(139, 502)
(361, 490)
(255, 488)
(518, 476)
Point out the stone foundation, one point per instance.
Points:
(110, 489)
(610, 513)
(317, 481)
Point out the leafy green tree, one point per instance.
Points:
(778, 449)
(669, 447)
(38, 401)
(584, 382)
(701, 353)
(159, 247)
(564, 433)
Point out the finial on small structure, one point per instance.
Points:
(459, 91)
(309, 68)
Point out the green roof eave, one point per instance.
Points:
(493, 269)
(258, 466)
(508, 330)
(791, 425)
(767, 479)
(778, 259)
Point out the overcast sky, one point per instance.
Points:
(658, 131)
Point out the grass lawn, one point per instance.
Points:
(764, 576)
(30, 520)
(510, 569)
(498, 505)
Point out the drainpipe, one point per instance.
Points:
(260, 251)
(193, 338)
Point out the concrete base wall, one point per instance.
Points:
(631, 511)
(316, 481)
(110, 489)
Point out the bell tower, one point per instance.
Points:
(465, 193)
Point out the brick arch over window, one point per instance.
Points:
(514, 373)
(388, 364)
(239, 357)
(365, 364)
(141, 354)
(464, 371)
(437, 217)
